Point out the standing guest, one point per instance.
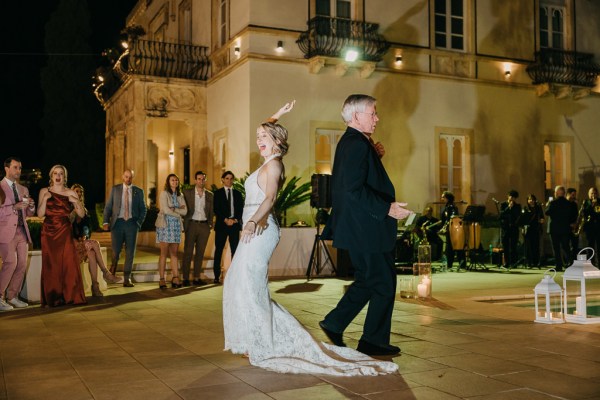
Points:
(124, 212)
(14, 234)
(89, 249)
(533, 220)
(256, 326)
(563, 216)
(591, 221)
(61, 276)
(228, 207)
(510, 214)
(363, 221)
(197, 225)
(574, 237)
(172, 207)
(450, 210)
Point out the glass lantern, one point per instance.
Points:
(548, 300)
(423, 268)
(581, 284)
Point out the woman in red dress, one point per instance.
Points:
(61, 276)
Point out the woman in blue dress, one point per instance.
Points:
(172, 208)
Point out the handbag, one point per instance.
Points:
(160, 220)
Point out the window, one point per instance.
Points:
(326, 141)
(223, 22)
(552, 29)
(557, 165)
(341, 10)
(449, 24)
(185, 22)
(454, 166)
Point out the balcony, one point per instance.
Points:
(159, 59)
(554, 67)
(329, 37)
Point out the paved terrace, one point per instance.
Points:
(144, 343)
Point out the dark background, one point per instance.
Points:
(32, 128)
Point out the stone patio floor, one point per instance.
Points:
(146, 343)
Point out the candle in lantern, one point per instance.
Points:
(578, 306)
(422, 290)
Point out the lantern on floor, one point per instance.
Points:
(581, 284)
(548, 300)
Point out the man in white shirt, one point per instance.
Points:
(124, 212)
(197, 224)
(14, 234)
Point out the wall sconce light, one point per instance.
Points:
(351, 55)
(507, 74)
(398, 59)
(171, 153)
(507, 70)
(279, 47)
(236, 51)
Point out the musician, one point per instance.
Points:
(448, 212)
(510, 213)
(427, 227)
(533, 220)
(591, 221)
(574, 237)
(563, 217)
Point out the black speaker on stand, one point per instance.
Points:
(320, 198)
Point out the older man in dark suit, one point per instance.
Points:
(563, 216)
(197, 224)
(228, 208)
(124, 212)
(364, 221)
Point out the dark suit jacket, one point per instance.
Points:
(113, 205)
(361, 193)
(190, 200)
(221, 208)
(562, 214)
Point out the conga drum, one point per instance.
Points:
(457, 233)
(474, 235)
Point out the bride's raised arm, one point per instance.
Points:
(283, 110)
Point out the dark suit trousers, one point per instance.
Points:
(221, 235)
(124, 232)
(561, 240)
(374, 283)
(196, 236)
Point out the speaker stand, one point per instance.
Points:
(315, 256)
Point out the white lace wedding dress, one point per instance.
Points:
(259, 327)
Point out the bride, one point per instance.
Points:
(255, 325)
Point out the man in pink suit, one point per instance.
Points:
(14, 235)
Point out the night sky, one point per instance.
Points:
(22, 58)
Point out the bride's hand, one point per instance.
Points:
(284, 110)
(248, 231)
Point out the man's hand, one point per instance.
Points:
(397, 210)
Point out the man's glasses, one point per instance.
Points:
(373, 114)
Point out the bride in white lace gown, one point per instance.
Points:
(254, 324)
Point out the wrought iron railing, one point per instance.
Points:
(564, 67)
(160, 59)
(327, 36)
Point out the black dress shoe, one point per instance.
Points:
(371, 349)
(186, 282)
(336, 338)
(217, 281)
(198, 282)
(127, 283)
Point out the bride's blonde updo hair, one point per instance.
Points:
(58, 166)
(279, 135)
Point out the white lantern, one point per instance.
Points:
(548, 300)
(581, 284)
